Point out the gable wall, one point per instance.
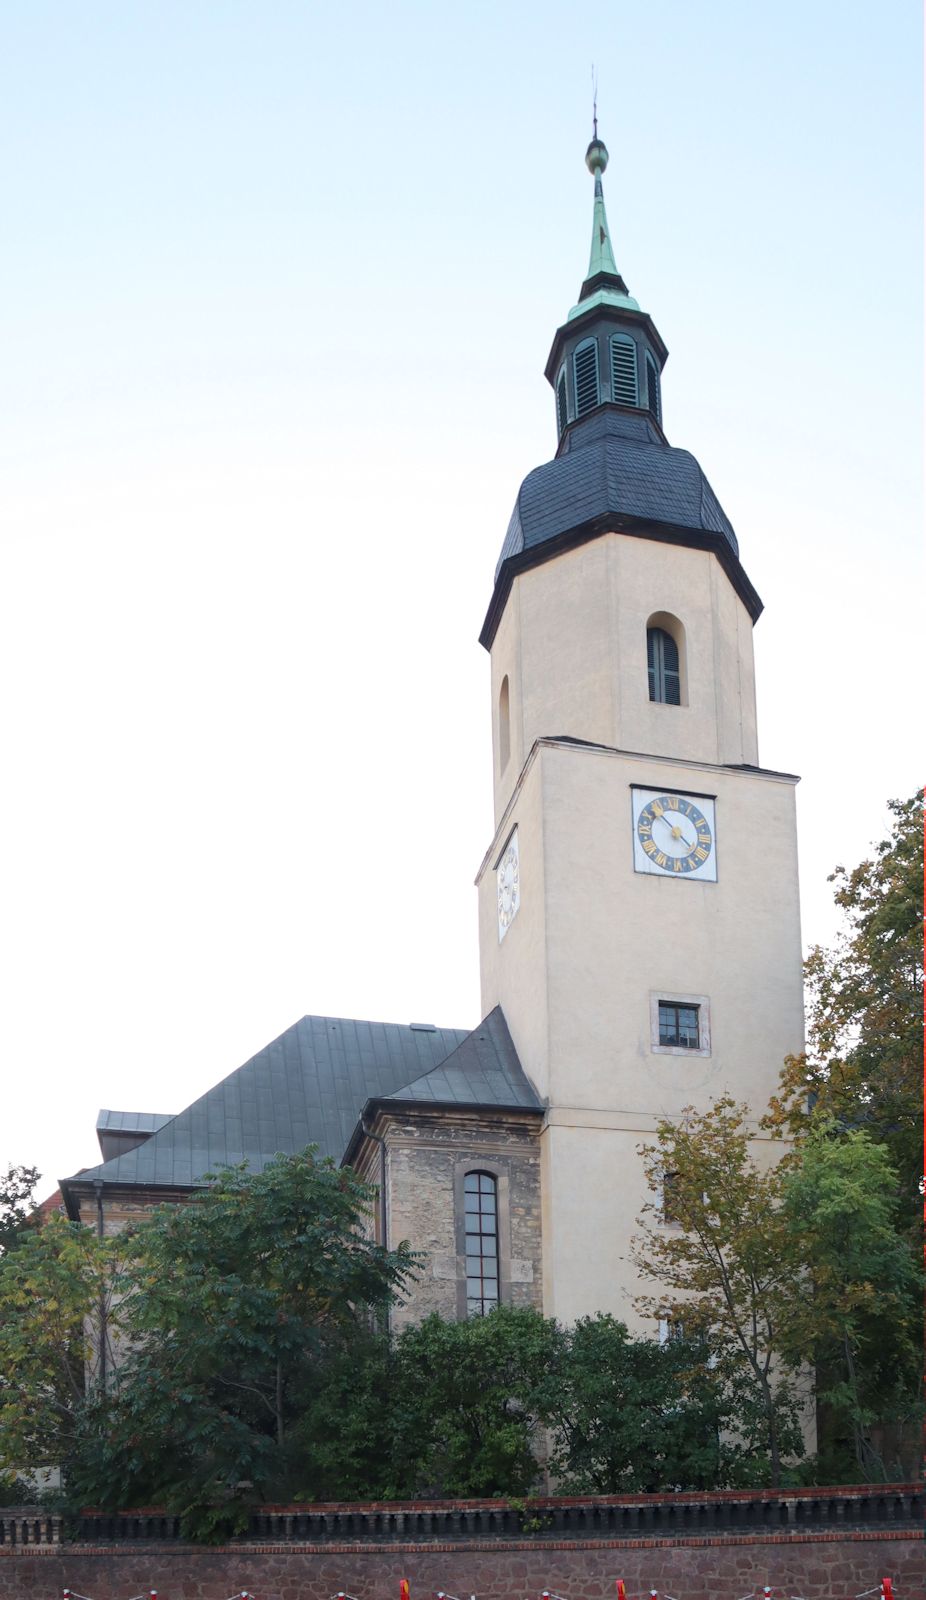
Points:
(427, 1156)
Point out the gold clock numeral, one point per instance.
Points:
(649, 847)
(660, 859)
(657, 809)
(672, 802)
(676, 865)
(645, 829)
(701, 854)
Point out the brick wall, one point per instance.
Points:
(819, 1566)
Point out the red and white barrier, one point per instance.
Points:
(883, 1590)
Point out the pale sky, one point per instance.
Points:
(278, 286)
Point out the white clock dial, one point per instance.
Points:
(508, 886)
(674, 835)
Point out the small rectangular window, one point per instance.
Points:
(679, 1026)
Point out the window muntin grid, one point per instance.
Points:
(678, 1025)
(480, 1205)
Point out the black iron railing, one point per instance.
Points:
(544, 1519)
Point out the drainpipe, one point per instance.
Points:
(101, 1364)
(369, 1134)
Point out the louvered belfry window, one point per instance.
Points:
(562, 413)
(624, 371)
(480, 1203)
(662, 664)
(652, 388)
(585, 371)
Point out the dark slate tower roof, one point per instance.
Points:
(482, 1071)
(307, 1087)
(614, 470)
(483, 1074)
(614, 465)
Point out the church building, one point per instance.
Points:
(638, 902)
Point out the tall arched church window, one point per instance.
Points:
(663, 667)
(504, 725)
(480, 1204)
(624, 370)
(585, 375)
(562, 409)
(652, 388)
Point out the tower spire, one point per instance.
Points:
(602, 267)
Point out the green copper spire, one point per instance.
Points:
(601, 256)
(603, 283)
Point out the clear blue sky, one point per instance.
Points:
(278, 285)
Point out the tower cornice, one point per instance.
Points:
(596, 528)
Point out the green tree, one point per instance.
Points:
(53, 1286)
(469, 1403)
(863, 1066)
(236, 1304)
(725, 1266)
(857, 1306)
(634, 1416)
(17, 1205)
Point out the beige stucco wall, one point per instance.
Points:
(572, 643)
(594, 942)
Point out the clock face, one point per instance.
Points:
(674, 835)
(508, 886)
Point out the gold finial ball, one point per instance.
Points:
(596, 157)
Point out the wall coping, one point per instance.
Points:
(488, 1503)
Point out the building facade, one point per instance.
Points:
(638, 903)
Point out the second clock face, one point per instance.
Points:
(674, 834)
(508, 885)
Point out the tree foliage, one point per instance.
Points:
(635, 1416)
(236, 1305)
(469, 1403)
(17, 1205)
(863, 1066)
(725, 1265)
(857, 1303)
(54, 1286)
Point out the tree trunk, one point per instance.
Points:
(279, 1402)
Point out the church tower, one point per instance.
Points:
(639, 916)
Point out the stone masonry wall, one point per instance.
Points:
(427, 1157)
(809, 1566)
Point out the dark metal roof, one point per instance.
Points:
(483, 1071)
(615, 464)
(307, 1087)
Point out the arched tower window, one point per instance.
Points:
(562, 410)
(480, 1204)
(663, 667)
(585, 375)
(624, 370)
(504, 725)
(652, 388)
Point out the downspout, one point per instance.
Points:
(101, 1363)
(369, 1134)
